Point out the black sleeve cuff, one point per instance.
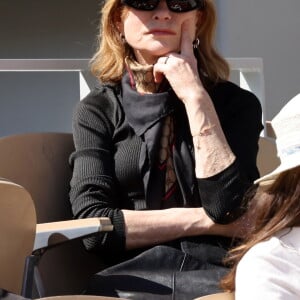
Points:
(222, 194)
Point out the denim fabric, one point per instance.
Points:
(164, 273)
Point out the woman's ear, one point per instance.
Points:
(199, 17)
(120, 20)
(200, 21)
(120, 27)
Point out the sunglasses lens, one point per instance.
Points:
(182, 5)
(142, 5)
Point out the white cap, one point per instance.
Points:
(286, 125)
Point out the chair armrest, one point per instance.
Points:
(50, 234)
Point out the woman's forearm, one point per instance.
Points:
(212, 152)
(147, 228)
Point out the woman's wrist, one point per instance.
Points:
(194, 99)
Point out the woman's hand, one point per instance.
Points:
(180, 69)
(240, 228)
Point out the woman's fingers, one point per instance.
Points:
(187, 38)
(159, 69)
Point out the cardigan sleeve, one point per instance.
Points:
(92, 192)
(240, 115)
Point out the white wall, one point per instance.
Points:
(269, 29)
(31, 29)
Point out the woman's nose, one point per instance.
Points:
(162, 12)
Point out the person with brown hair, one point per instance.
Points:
(166, 148)
(267, 264)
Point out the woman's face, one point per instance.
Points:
(156, 33)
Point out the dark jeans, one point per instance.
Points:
(165, 272)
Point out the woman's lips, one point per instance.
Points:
(159, 31)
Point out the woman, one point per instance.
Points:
(165, 145)
(267, 264)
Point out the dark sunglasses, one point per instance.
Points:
(178, 6)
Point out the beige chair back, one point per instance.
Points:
(218, 296)
(17, 232)
(267, 159)
(39, 163)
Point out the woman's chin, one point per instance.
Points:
(152, 53)
(162, 51)
(162, 47)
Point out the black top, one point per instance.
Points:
(116, 136)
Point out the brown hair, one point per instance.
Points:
(108, 64)
(275, 208)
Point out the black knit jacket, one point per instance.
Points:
(115, 133)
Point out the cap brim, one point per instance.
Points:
(269, 178)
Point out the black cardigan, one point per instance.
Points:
(114, 156)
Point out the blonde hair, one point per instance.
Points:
(108, 63)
